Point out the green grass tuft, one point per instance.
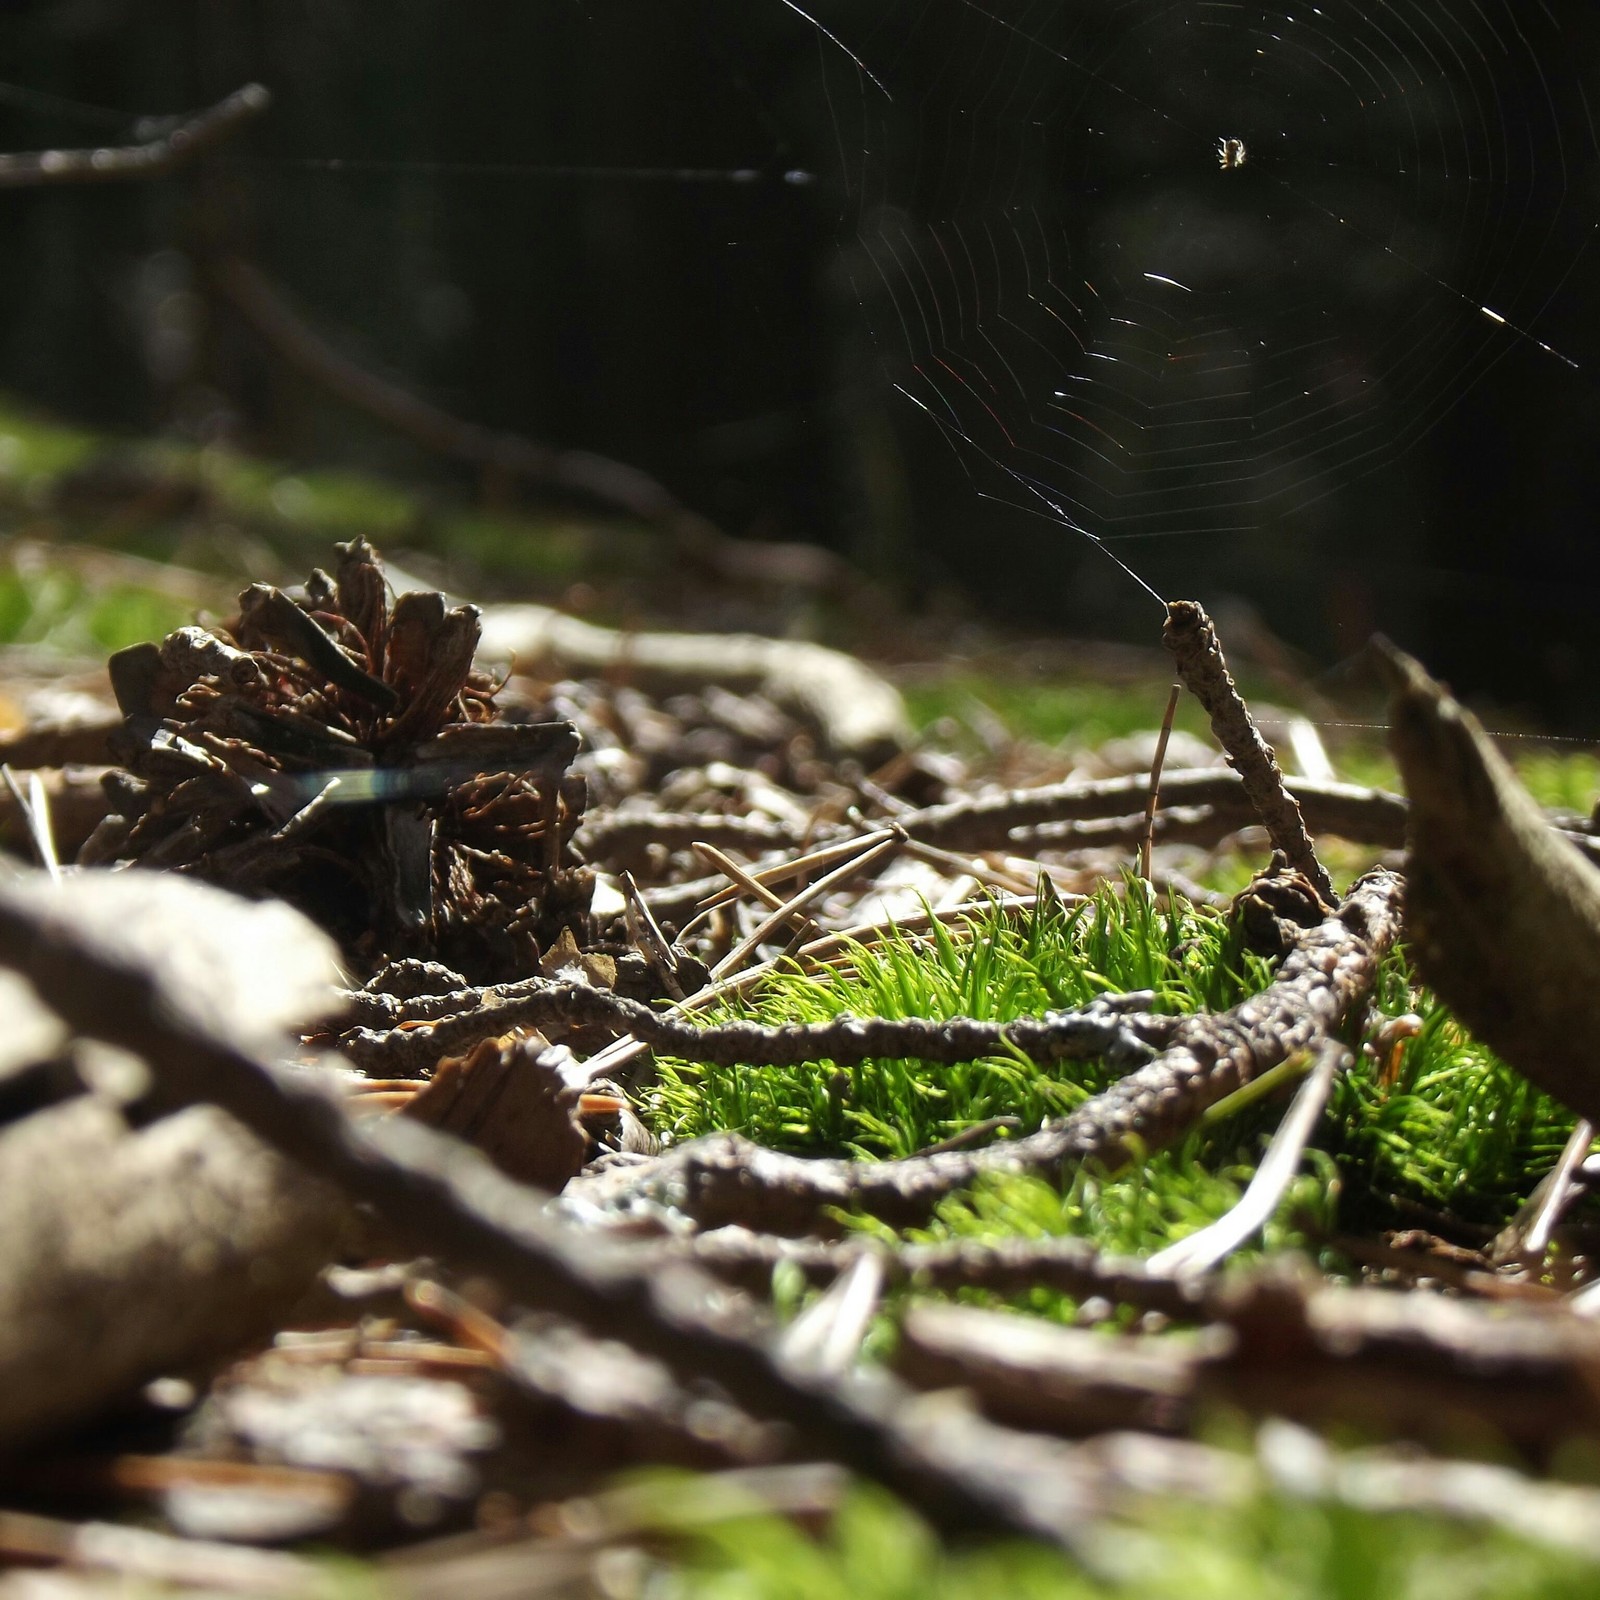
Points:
(1457, 1130)
(997, 967)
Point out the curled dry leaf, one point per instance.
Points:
(522, 1101)
(338, 749)
(509, 1097)
(1503, 915)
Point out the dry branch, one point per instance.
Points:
(1325, 978)
(452, 1204)
(152, 159)
(1007, 1266)
(1113, 1026)
(1416, 1366)
(1367, 816)
(858, 712)
(1192, 639)
(1030, 1373)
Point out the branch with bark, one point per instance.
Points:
(451, 1203)
(1324, 981)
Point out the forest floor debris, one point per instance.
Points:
(943, 1086)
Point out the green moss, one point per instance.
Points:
(996, 967)
(1448, 1125)
(1083, 714)
(1268, 1548)
(56, 607)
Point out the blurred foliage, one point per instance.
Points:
(1270, 1548)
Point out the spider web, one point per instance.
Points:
(1116, 332)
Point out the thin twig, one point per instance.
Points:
(35, 809)
(152, 159)
(1111, 1025)
(1326, 975)
(871, 856)
(1191, 637)
(1365, 816)
(269, 315)
(1004, 1266)
(624, 837)
(1159, 761)
(1527, 1235)
(142, 1557)
(826, 1337)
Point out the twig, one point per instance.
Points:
(1031, 1373)
(142, 1556)
(1366, 816)
(621, 838)
(647, 937)
(974, 1133)
(826, 1337)
(870, 856)
(980, 871)
(35, 809)
(739, 879)
(1192, 639)
(1005, 1266)
(453, 1204)
(1527, 1235)
(1111, 1026)
(829, 856)
(75, 799)
(152, 159)
(1324, 978)
(600, 1381)
(1201, 1251)
(858, 711)
(1156, 764)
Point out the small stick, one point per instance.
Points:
(1192, 638)
(1148, 843)
(826, 1337)
(1528, 1233)
(35, 809)
(869, 857)
(800, 867)
(646, 934)
(752, 885)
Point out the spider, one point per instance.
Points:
(1230, 153)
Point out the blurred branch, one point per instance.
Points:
(451, 1203)
(859, 712)
(151, 159)
(611, 483)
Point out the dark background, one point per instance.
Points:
(712, 330)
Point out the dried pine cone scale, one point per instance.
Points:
(340, 750)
